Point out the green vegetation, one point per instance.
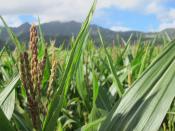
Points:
(123, 88)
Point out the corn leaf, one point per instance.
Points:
(117, 82)
(8, 89)
(13, 37)
(59, 97)
(146, 103)
(7, 98)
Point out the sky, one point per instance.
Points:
(117, 15)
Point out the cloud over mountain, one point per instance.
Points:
(66, 10)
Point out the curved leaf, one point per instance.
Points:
(146, 103)
(7, 98)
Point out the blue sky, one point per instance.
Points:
(128, 20)
(118, 15)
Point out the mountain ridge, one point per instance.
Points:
(63, 31)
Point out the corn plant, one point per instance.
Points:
(86, 88)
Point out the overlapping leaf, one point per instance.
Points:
(145, 105)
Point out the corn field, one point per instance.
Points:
(84, 88)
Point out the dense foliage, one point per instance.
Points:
(124, 87)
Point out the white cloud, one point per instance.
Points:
(66, 10)
(167, 25)
(122, 4)
(154, 8)
(120, 28)
(168, 20)
(63, 10)
(13, 21)
(172, 13)
(165, 16)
